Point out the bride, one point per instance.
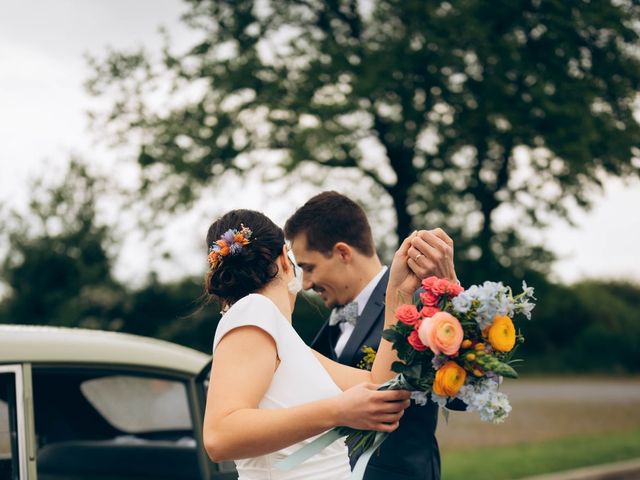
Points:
(269, 393)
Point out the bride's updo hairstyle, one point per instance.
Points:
(246, 268)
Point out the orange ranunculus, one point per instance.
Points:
(442, 333)
(240, 238)
(449, 379)
(502, 334)
(213, 259)
(224, 248)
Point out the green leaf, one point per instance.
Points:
(399, 367)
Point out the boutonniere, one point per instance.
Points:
(369, 356)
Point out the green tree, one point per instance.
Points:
(455, 109)
(57, 268)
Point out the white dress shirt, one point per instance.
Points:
(346, 329)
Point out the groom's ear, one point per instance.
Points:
(343, 251)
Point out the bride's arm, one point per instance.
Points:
(402, 283)
(244, 363)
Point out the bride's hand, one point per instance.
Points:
(403, 281)
(364, 408)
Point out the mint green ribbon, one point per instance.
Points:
(322, 442)
(309, 450)
(363, 461)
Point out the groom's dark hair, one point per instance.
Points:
(329, 218)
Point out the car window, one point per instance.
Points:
(96, 425)
(8, 431)
(137, 404)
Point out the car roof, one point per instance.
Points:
(40, 344)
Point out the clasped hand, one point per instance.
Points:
(421, 254)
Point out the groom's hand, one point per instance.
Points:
(431, 253)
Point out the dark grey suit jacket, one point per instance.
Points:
(411, 452)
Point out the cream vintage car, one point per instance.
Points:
(93, 405)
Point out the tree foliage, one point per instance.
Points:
(57, 267)
(58, 270)
(460, 110)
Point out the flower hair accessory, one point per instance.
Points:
(231, 242)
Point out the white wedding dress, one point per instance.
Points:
(299, 378)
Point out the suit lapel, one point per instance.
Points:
(325, 339)
(366, 321)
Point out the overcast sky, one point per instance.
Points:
(42, 121)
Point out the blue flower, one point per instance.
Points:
(437, 361)
(235, 248)
(229, 235)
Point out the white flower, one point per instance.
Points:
(525, 308)
(493, 299)
(462, 303)
(527, 291)
(420, 398)
(484, 398)
(497, 409)
(505, 304)
(441, 401)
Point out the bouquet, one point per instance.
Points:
(452, 344)
(460, 344)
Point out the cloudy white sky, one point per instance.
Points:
(42, 121)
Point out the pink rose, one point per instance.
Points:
(442, 333)
(429, 311)
(440, 286)
(408, 314)
(429, 298)
(414, 341)
(428, 282)
(454, 289)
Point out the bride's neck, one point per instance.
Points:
(279, 295)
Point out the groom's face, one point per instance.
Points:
(325, 273)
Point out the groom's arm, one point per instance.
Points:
(343, 375)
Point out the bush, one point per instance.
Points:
(592, 326)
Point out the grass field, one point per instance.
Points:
(521, 460)
(556, 424)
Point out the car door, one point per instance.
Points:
(114, 422)
(13, 451)
(225, 470)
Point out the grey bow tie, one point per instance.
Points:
(347, 313)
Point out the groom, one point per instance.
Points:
(332, 243)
